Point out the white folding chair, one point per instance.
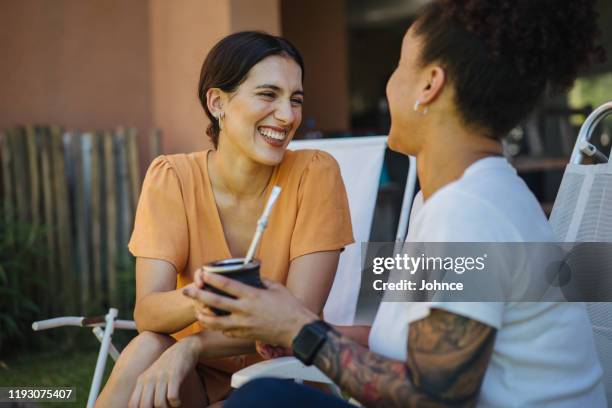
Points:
(360, 161)
(110, 323)
(583, 213)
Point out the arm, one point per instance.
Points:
(318, 268)
(359, 334)
(160, 307)
(155, 290)
(448, 355)
(212, 344)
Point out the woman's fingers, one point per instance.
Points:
(198, 278)
(148, 395)
(231, 286)
(160, 392)
(263, 350)
(205, 310)
(174, 386)
(135, 398)
(212, 299)
(219, 323)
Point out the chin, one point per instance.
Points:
(395, 142)
(401, 142)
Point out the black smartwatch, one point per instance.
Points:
(309, 341)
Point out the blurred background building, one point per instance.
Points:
(97, 64)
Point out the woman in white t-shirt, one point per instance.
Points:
(469, 72)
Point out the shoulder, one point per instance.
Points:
(183, 165)
(160, 167)
(310, 161)
(184, 161)
(456, 215)
(301, 164)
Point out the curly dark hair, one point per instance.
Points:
(227, 64)
(501, 55)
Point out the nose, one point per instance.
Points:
(284, 112)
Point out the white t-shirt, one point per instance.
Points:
(544, 354)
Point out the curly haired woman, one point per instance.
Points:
(470, 70)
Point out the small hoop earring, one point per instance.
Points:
(416, 108)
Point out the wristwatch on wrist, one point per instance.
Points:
(309, 341)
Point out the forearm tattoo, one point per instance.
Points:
(448, 355)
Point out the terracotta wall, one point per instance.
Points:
(180, 38)
(319, 29)
(83, 64)
(101, 63)
(262, 15)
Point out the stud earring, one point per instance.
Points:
(416, 108)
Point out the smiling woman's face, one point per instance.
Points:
(262, 115)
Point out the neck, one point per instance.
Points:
(447, 153)
(231, 171)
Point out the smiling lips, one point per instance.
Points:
(273, 136)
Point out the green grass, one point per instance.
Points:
(54, 368)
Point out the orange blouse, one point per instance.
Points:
(177, 218)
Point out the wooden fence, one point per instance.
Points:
(80, 190)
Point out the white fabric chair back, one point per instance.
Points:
(583, 213)
(360, 160)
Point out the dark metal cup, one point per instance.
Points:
(233, 268)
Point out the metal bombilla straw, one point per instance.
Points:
(262, 223)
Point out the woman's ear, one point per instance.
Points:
(214, 101)
(435, 81)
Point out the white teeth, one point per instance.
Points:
(272, 133)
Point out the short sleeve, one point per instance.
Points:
(323, 221)
(443, 222)
(160, 227)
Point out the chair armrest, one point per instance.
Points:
(282, 367)
(80, 321)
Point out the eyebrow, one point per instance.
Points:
(277, 89)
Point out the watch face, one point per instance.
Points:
(309, 341)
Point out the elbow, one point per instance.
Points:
(142, 323)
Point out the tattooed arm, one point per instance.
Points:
(448, 355)
(447, 358)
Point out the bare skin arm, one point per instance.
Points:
(447, 354)
(447, 358)
(156, 291)
(317, 267)
(311, 277)
(160, 307)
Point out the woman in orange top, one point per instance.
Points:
(200, 207)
